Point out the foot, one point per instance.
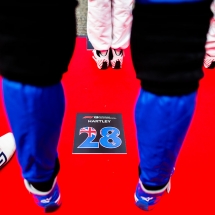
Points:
(147, 199)
(7, 148)
(117, 58)
(101, 58)
(209, 62)
(50, 200)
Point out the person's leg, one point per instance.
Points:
(35, 115)
(209, 60)
(99, 30)
(162, 123)
(121, 14)
(121, 24)
(99, 26)
(35, 51)
(168, 61)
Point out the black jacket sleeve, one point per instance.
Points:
(37, 41)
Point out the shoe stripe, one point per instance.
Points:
(3, 159)
(57, 201)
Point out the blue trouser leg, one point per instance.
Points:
(162, 123)
(35, 115)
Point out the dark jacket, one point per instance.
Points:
(167, 45)
(37, 41)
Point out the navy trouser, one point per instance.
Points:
(35, 115)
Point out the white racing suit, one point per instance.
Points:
(109, 23)
(210, 44)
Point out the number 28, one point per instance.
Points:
(110, 138)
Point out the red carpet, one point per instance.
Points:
(97, 184)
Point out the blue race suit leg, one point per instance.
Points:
(162, 123)
(35, 115)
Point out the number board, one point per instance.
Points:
(99, 134)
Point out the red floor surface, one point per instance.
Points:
(104, 183)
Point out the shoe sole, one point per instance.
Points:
(212, 66)
(104, 65)
(117, 65)
(51, 208)
(142, 206)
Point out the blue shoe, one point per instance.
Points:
(147, 199)
(50, 200)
